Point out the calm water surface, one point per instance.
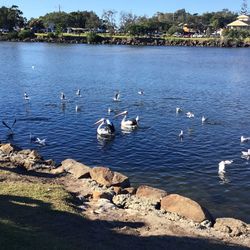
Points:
(207, 81)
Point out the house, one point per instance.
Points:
(242, 23)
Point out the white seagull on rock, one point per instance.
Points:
(223, 164)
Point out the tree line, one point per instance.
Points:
(111, 21)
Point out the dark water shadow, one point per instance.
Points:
(33, 224)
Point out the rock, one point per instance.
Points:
(130, 190)
(8, 148)
(151, 193)
(102, 195)
(106, 177)
(35, 156)
(58, 170)
(77, 169)
(185, 207)
(231, 226)
(121, 200)
(117, 190)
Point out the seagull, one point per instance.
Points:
(178, 110)
(190, 115)
(246, 154)
(78, 92)
(40, 141)
(116, 98)
(26, 97)
(110, 110)
(181, 135)
(244, 139)
(62, 97)
(204, 119)
(37, 140)
(141, 92)
(78, 108)
(33, 66)
(223, 164)
(10, 127)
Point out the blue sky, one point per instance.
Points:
(36, 8)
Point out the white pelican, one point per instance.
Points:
(62, 97)
(244, 139)
(78, 92)
(190, 115)
(178, 110)
(25, 96)
(223, 164)
(141, 92)
(204, 119)
(181, 135)
(116, 98)
(128, 124)
(106, 127)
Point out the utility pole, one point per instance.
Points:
(59, 8)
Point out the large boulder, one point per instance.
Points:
(77, 169)
(106, 177)
(8, 148)
(231, 226)
(185, 207)
(154, 194)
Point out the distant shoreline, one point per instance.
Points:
(138, 41)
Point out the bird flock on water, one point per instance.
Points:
(106, 128)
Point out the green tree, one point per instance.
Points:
(109, 17)
(11, 17)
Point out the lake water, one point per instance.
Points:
(207, 81)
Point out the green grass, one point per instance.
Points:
(32, 215)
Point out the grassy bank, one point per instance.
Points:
(32, 215)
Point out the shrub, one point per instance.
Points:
(12, 35)
(25, 34)
(92, 37)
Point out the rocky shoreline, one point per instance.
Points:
(136, 41)
(105, 194)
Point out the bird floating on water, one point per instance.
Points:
(223, 164)
(246, 154)
(33, 66)
(129, 124)
(204, 119)
(78, 108)
(181, 135)
(25, 96)
(10, 127)
(244, 139)
(116, 98)
(37, 140)
(178, 110)
(106, 128)
(78, 92)
(62, 97)
(141, 92)
(190, 115)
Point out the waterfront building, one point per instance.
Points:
(242, 23)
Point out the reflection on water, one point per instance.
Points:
(153, 154)
(224, 178)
